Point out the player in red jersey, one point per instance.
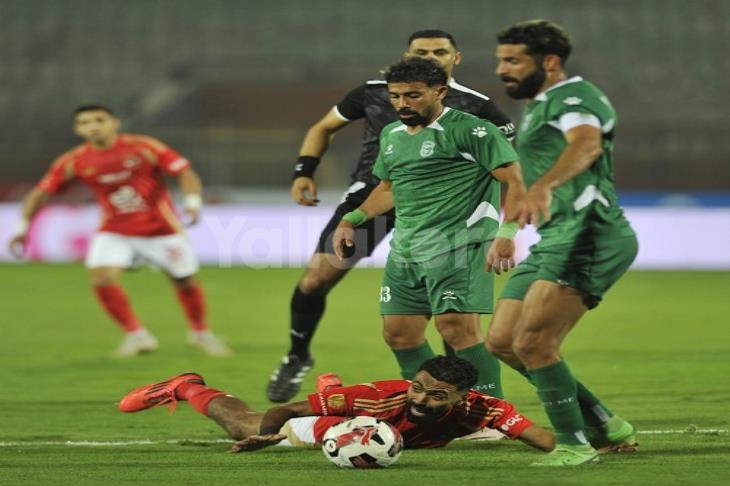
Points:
(435, 408)
(125, 172)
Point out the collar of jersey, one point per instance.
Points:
(434, 124)
(543, 96)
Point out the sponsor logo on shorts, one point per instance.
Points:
(448, 295)
(174, 253)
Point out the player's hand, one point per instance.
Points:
(192, 216)
(536, 205)
(256, 442)
(304, 191)
(343, 241)
(17, 245)
(500, 256)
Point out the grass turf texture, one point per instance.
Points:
(656, 351)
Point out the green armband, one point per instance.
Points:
(356, 217)
(507, 231)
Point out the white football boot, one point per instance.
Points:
(209, 342)
(135, 343)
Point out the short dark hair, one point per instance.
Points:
(415, 69)
(541, 37)
(431, 34)
(450, 369)
(93, 107)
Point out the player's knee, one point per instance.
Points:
(457, 333)
(530, 346)
(313, 283)
(103, 277)
(398, 338)
(184, 283)
(499, 345)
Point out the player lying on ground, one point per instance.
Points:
(435, 408)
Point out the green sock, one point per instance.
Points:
(523, 371)
(556, 388)
(490, 381)
(594, 412)
(411, 359)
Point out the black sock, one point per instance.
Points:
(306, 311)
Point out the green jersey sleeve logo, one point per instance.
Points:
(572, 100)
(479, 132)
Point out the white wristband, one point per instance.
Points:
(193, 202)
(22, 227)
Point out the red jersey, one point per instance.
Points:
(127, 179)
(386, 400)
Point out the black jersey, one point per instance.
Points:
(372, 102)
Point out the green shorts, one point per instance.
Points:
(452, 282)
(592, 266)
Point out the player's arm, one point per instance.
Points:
(537, 437)
(514, 425)
(32, 203)
(192, 189)
(315, 144)
(501, 254)
(584, 147)
(380, 201)
(271, 423)
(59, 174)
(491, 112)
(510, 175)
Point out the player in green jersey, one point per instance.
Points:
(565, 144)
(440, 168)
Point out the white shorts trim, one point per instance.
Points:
(171, 253)
(299, 432)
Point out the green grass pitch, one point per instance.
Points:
(657, 350)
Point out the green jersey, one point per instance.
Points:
(445, 196)
(586, 204)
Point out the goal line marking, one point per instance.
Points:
(125, 443)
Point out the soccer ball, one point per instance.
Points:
(362, 443)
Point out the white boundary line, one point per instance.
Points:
(124, 443)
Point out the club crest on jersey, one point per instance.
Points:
(389, 150)
(130, 163)
(336, 402)
(427, 148)
(572, 100)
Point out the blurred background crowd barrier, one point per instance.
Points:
(234, 85)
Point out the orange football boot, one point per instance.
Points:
(157, 394)
(327, 381)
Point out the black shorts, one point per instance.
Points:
(368, 235)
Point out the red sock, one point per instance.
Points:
(116, 304)
(193, 303)
(199, 396)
